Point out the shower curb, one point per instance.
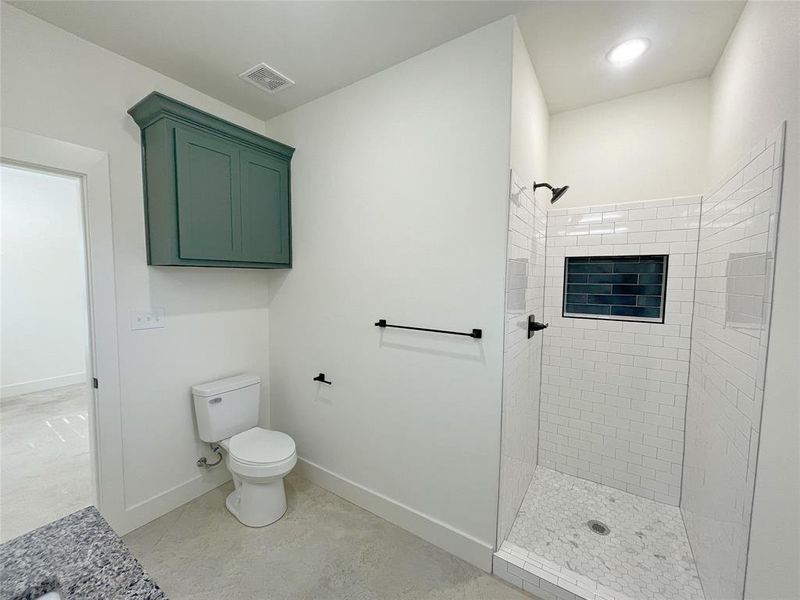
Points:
(547, 581)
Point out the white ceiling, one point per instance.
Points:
(326, 45)
(568, 43)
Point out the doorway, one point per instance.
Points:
(90, 167)
(46, 470)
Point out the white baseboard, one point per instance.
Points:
(38, 385)
(440, 534)
(148, 510)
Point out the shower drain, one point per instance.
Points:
(599, 527)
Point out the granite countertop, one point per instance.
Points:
(79, 556)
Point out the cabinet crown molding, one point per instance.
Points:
(156, 106)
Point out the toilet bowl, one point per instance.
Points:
(258, 460)
(226, 411)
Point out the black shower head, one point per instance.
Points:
(557, 192)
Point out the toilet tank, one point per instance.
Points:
(226, 407)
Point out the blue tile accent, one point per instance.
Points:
(623, 287)
(611, 299)
(577, 299)
(637, 290)
(656, 278)
(614, 278)
(648, 300)
(588, 309)
(642, 267)
(636, 311)
(579, 288)
(606, 267)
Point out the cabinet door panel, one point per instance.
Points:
(265, 208)
(209, 217)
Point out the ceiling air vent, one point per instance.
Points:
(265, 77)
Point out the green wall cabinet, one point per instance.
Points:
(216, 195)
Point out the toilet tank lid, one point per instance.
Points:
(221, 386)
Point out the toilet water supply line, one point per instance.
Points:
(203, 461)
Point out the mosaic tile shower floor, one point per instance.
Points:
(646, 555)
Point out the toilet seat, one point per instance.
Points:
(260, 453)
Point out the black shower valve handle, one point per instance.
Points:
(534, 325)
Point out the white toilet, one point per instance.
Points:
(259, 459)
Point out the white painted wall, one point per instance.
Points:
(399, 188)
(645, 146)
(755, 86)
(527, 222)
(60, 86)
(530, 119)
(43, 321)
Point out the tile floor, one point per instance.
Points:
(45, 465)
(323, 548)
(646, 555)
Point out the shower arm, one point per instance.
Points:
(557, 192)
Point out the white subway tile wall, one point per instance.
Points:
(613, 393)
(525, 269)
(730, 333)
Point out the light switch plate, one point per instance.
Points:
(147, 320)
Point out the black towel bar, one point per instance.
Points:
(475, 333)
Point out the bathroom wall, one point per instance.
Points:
(43, 326)
(57, 85)
(530, 119)
(648, 145)
(730, 333)
(527, 222)
(614, 392)
(400, 183)
(522, 357)
(755, 87)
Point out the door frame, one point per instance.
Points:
(91, 166)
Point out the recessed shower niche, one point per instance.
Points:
(626, 288)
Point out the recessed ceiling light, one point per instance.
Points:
(628, 51)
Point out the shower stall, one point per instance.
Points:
(630, 425)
